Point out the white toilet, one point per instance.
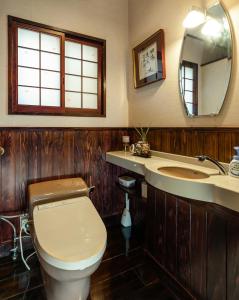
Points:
(69, 236)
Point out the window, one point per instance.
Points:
(189, 86)
(53, 71)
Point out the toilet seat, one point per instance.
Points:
(69, 234)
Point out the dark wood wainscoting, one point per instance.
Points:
(196, 243)
(215, 142)
(50, 153)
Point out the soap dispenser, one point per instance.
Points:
(234, 164)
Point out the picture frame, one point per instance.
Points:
(149, 60)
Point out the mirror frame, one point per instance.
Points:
(231, 72)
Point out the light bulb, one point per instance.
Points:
(194, 18)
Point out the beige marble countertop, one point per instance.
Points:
(219, 189)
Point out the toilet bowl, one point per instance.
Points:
(68, 235)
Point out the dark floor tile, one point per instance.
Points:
(12, 268)
(19, 283)
(121, 240)
(155, 291)
(112, 267)
(35, 294)
(115, 288)
(147, 272)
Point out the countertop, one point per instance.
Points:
(220, 189)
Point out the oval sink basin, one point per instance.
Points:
(183, 172)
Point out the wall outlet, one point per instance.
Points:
(24, 222)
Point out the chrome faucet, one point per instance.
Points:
(215, 162)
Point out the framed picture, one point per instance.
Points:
(149, 60)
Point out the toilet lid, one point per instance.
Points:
(69, 234)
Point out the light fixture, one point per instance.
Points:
(212, 28)
(195, 17)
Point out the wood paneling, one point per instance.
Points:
(202, 245)
(34, 154)
(49, 153)
(216, 142)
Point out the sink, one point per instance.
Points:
(183, 172)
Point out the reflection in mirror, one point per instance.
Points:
(205, 65)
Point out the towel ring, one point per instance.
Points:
(2, 151)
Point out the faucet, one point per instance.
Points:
(214, 161)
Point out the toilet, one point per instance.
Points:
(68, 235)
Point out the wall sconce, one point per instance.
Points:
(195, 17)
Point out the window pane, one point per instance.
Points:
(72, 66)
(73, 100)
(90, 85)
(28, 96)
(50, 79)
(90, 69)
(90, 53)
(50, 61)
(50, 97)
(188, 73)
(190, 108)
(28, 58)
(28, 38)
(188, 96)
(72, 49)
(28, 76)
(188, 85)
(50, 43)
(73, 83)
(90, 101)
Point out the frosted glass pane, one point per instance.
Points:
(72, 66)
(28, 38)
(90, 53)
(188, 96)
(28, 76)
(188, 85)
(28, 96)
(50, 79)
(72, 49)
(73, 100)
(50, 43)
(90, 69)
(188, 73)
(73, 83)
(90, 85)
(28, 58)
(50, 61)
(90, 101)
(50, 97)
(182, 72)
(190, 108)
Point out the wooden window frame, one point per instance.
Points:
(193, 66)
(15, 108)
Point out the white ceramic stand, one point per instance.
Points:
(126, 218)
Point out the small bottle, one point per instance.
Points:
(234, 164)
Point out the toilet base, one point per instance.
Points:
(62, 290)
(64, 284)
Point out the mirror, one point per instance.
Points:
(205, 64)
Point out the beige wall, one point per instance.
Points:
(159, 104)
(107, 19)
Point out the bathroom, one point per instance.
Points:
(182, 240)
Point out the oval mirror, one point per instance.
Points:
(205, 64)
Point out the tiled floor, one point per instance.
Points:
(121, 275)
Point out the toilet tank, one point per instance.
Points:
(55, 190)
